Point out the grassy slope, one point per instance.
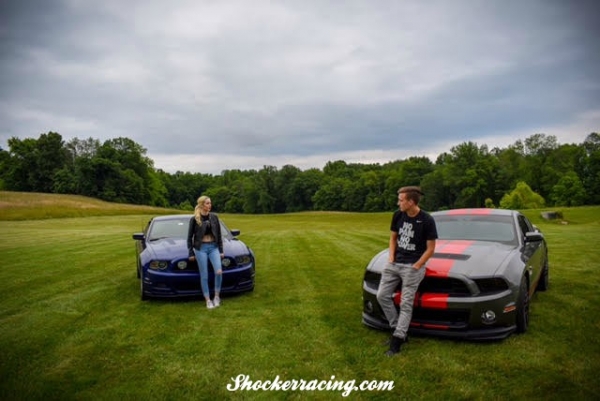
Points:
(72, 327)
(33, 206)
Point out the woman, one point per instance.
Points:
(205, 243)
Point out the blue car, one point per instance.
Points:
(164, 268)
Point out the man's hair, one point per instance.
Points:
(412, 193)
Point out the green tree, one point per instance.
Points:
(130, 168)
(4, 164)
(522, 197)
(374, 184)
(50, 156)
(305, 184)
(288, 199)
(511, 167)
(330, 195)
(469, 173)
(590, 168)
(21, 165)
(538, 173)
(269, 199)
(219, 197)
(437, 195)
(568, 191)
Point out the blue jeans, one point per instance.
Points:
(209, 250)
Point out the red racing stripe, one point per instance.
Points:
(435, 326)
(439, 267)
(457, 247)
(430, 301)
(434, 301)
(430, 326)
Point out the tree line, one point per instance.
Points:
(534, 172)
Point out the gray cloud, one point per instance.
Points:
(207, 86)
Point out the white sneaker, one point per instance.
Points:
(217, 302)
(209, 304)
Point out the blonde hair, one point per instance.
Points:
(198, 208)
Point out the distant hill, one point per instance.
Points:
(35, 206)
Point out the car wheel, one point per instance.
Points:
(143, 295)
(542, 285)
(523, 307)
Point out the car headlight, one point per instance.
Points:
(181, 265)
(225, 262)
(243, 260)
(158, 265)
(491, 285)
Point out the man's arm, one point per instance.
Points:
(426, 255)
(392, 246)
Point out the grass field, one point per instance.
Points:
(72, 326)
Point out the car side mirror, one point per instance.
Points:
(138, 236)
(235, 233)
(533, 236)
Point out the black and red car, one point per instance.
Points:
(478, 284)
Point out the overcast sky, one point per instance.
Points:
(211, 85)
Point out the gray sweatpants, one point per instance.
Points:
(393, 273)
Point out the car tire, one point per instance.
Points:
(143, 295)
(523, 307)
(542, 285)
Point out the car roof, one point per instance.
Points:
(475, 212)
(172, 217)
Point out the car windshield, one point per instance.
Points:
(478, 228)
(176, 228)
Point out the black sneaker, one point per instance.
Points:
(387, 341)
(395, 344)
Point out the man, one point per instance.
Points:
(412, 243)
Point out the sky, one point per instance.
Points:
(206, 86)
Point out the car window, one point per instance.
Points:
(177, 228)
(477, 228)
(173, 228)
(524, 225)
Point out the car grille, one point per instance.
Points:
(192, 266)
(439, 285)
(451, 286)
(452, 319)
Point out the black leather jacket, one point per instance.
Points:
(196, 232)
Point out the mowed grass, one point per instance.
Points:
(72, 325)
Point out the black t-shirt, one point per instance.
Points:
(413, 234)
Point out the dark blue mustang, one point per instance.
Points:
(163, 264)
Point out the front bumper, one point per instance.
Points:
(490, 334)
(158, 284)
(442, 316)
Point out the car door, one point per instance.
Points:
(533, 252)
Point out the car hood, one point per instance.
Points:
(468, 258)
(176, 248)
